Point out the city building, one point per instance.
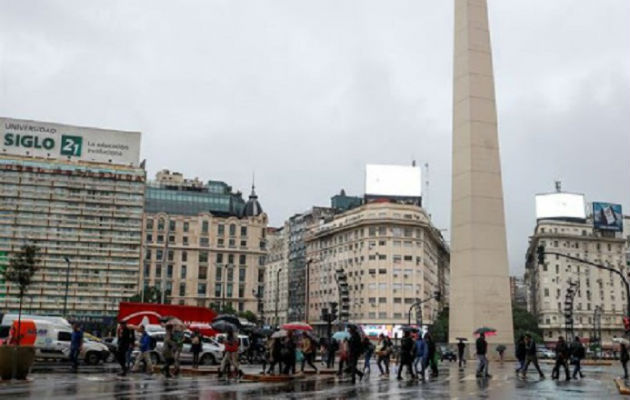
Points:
(203, 245)
(376, 261)
(77, 194)
(296, 229)
(518, 292)
(561, 291)
(276, 291)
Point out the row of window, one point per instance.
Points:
(202, 272)
(203, 241)
(202, 256)
(172, 226)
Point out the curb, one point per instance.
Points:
(621, 385)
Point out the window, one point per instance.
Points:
(183, 272)
(232, 229)
(243, 243)
(202, 273)
(242, 259)
(158, 271)
(397, 259)
(241, 274)
(204, 227)
(149, 238)
(186, 226)
(170, 255)
(203, 256)
(220, 242)
(230, 274)
(147, 254)
(217, 290)
(231, 243)
(219, 258)
(169, 271)
(382, 271)
(408, 258)
(201, 288)
(149, 225)
(382, 257)
(382, 242)
(161, 224)
(220, 230)
(230, 259)
(171, 238)
(184, 256)
(158, 255)
(204, 242)
(243, 231)
(160, 239)
(546, 292)
(408, 300)
(182, 289)
(241, 291)
(185, 240)
(171, 225)
(397, 300)
(229, 291)
(382, 299)
(217, 276)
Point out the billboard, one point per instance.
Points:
(67, 142)
(607, 216)
(393, 180)
(560, 205)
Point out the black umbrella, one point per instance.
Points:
(232, 319)
(263, 332)
(223, 326)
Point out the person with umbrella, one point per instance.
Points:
(482, 350)
(125, 338)
(407, 354)
(308, 350)
(230, 358)
(355, 348)
(383, 350)
(289, 353)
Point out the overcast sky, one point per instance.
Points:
(305, 93)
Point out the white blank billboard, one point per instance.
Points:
(560, 205)
(393, 180)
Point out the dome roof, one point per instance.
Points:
(252, 207)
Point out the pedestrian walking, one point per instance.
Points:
(168, 351)
(145, 352)
(500, 349)
(308, 352)
(343, 356)
(276, 355)
(531, 356)
(461, 347)
(76, 343)
(355, 348)
(562, 356)
(333, 348)
(289, 353)
(196, 347)
(383, 352)
(432, 356)
(482, 350)
(421, 348)
(230, 357)
(624, 357)
(407, 355)
(577, 354)
(125, 340)
(178, 337)
(368, 351)
(520, 353)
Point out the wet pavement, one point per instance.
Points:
(451, 384)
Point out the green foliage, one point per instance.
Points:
(22, 267)
(524, 322)
(248, 315)
(152, 294)
(439, 329)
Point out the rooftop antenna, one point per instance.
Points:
(558, 186)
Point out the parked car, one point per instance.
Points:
(447, 354)
(546, 353)
(211, 354)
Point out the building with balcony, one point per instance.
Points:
(276, 293)
(203, 245)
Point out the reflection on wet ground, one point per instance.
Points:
(452, 383)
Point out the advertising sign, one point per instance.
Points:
(560, 205)
(66, 142)
(393, 180)
(135, 313)
(607, 216)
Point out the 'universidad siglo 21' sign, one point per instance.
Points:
(57, 141)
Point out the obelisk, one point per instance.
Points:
(479, 290)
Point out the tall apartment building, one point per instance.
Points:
(390, 256)
(77, 194)
(600, 300)
(518, 292)
(203, 244)
(276, 292)
(296, 229)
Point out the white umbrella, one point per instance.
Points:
(279, 334)
(621, 340)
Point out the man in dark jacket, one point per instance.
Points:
(461, 347)
(355, 348)
(520, 354)
(126, 340)
(482, 350)
(577, 354)
(407, 354)
(531, 356)
(562, 356)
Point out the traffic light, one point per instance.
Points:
(626, 324)
(325, 314)
(541, 254)
(333, 310)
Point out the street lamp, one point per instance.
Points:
(65, 298)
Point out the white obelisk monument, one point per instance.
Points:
(479, 289)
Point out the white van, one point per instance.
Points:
(53, 338)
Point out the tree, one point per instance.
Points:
(248, 315)
(22, 267)
(524, 322)
(151, 294)
(439, 329)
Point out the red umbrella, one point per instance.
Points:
(297, 326)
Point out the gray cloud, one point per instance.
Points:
(306, 93)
